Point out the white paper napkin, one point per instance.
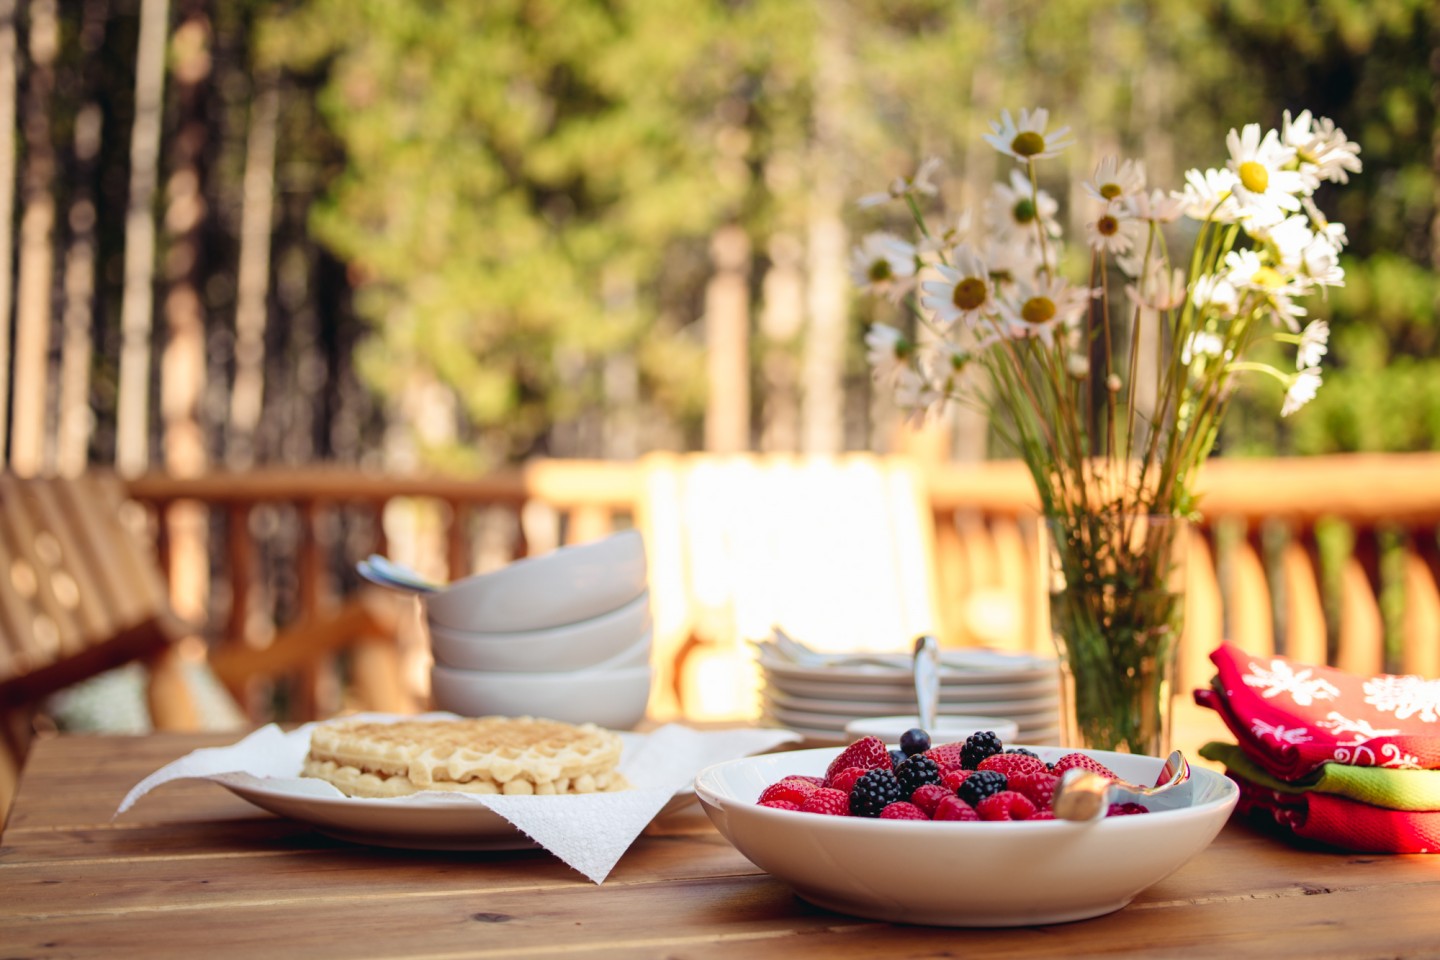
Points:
(589, 832)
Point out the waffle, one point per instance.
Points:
(484, 755)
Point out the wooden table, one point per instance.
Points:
(194, 872)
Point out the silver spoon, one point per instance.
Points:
(927, 680)
(386, 573)
(1086, 795)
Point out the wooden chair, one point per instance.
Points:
(81, 593)
(836, 550)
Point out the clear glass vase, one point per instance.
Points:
(1117, 603)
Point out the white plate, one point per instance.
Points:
(861, 708)
(1007, 668)
(902, 690)
(825, 721)
(457, 824)
(964, 874)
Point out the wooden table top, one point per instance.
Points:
(193, 871)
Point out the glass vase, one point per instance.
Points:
(1117, 603)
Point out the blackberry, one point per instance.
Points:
(1023, 752)
(915, 772)
(873, 792)
(978, 786)
(914, 741)
(977, 747)
(897, 757)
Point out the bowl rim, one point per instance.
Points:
(599, 621)
(615, 675)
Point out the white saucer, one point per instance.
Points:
(944, 730)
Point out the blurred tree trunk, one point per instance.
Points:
(182, 362)
(77, 346)
(8, 63)
(132, 428)
(256, 219)
(727, 342)
(37, 256)
(823, 365)
(781, 319)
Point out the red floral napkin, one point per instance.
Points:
(1292, 717)
(1332, 819)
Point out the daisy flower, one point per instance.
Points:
(1201, 344)
(1209, 195)
(1037, 309)
(1303, 387)
(1026, 140)
(1314, 343)
(1112, 231)
(1116, 179)
(1011, 259)
(1320, 262)
(1321, 148)
(913, 392)
(883, 263)
(963, 291)
(1015, 207)
(887, 351)
(1334, 232)
(1161, 289)
(900, 186)
(1259, 164)
(1288, 238)
(1216, 292)
(1156, 206)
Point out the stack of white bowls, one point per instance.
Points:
(564, 635)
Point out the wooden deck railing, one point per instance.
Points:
(1329, 559)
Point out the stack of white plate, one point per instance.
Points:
(819, 697)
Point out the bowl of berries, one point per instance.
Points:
(957, 834)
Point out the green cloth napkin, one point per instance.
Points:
(1377, 786)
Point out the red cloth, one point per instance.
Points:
(1291, 717)
(1329, 818)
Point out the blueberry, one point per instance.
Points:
(914, 741)
(897, 757)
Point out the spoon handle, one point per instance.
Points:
(927, 680)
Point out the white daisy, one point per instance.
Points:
(1116, 179)
(1113, 231)
(1011, 259)
(1027, 139)
(1334, 232)
(1216, 292)
(1162, 289)
(1201, 344)
(887, 351)
(1156, 206)
(883, 263)
(1259, 164)
(920, 182)
(1288, 238)
(942, 240)
(1303, 387)
(1209, 194)
(1014, 208)
(913, 392)
(1320, 262)
(1321, 148)
(963, 291)
(1038, 309)
(1314, 342)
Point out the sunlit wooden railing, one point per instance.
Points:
(1329, 559)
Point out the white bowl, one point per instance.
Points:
(609, 698)
(981, 874)
(564, 586)
(947, 729)
(569, 646)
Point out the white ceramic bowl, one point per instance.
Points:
(945, 730)
(564, 586)
(569, 646)
(963, 873)
(609, 698)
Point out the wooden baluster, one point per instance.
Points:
(1421, 654)
(307, 689)
(241, 551)
(1012, 568)
(1251, 612)
(1204, 615)
(1305, 630)
(588, 522)
(457, 540)
(1361, 648)
(950, 578)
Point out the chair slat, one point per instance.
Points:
(15, 616)
(94, 607)
(29, 549)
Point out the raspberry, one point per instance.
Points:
(900, 810)
(1046, 814)
(981, 784)
(1012, 763)
(1072, 760)
(928, 797)
(867, 753)
(845, 780)
(953, 808)
(1005, 805)
(1039, 787)
(827, 801)
(1125, 809)
(780, 804)
(915, 772)
(947, 755)
(818, 781)
(873, 792)
(977, 747)
(793, 790)
(951, 779)
(914, 741)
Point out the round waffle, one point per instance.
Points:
(484, 755)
